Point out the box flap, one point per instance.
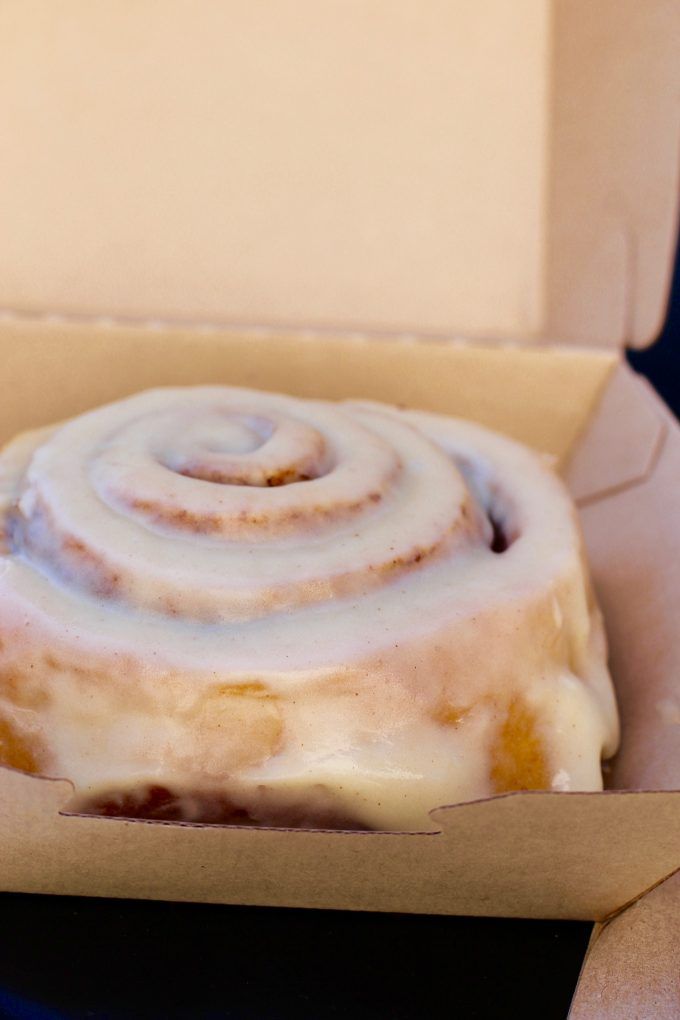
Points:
(477, 167)
(631, 969)
(622, 443)
(510, 856)
(613, 189)
(541, 397)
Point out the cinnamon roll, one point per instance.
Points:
(225, 605)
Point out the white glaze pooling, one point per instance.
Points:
(221, 589)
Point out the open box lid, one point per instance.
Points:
(480, 168)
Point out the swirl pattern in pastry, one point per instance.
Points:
(230, 605)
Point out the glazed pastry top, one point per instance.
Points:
(237, 587)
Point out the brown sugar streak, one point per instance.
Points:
(20, 690)
(236, 727)
(178, 517)
(207, 474)
(447, 714)
(518, 758)
(17, 750)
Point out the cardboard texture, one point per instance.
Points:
(499, 171)
(484, 167)
(632, 970)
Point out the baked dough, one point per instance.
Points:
(226, 605)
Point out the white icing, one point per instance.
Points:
(331, 560)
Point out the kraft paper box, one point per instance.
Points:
(468, 207)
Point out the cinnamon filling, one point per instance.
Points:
(158, 803)
(499, 539)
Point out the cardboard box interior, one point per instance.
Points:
(483, 168)
(253, 165)
(532, 854)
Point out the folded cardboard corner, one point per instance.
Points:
(642, 943)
